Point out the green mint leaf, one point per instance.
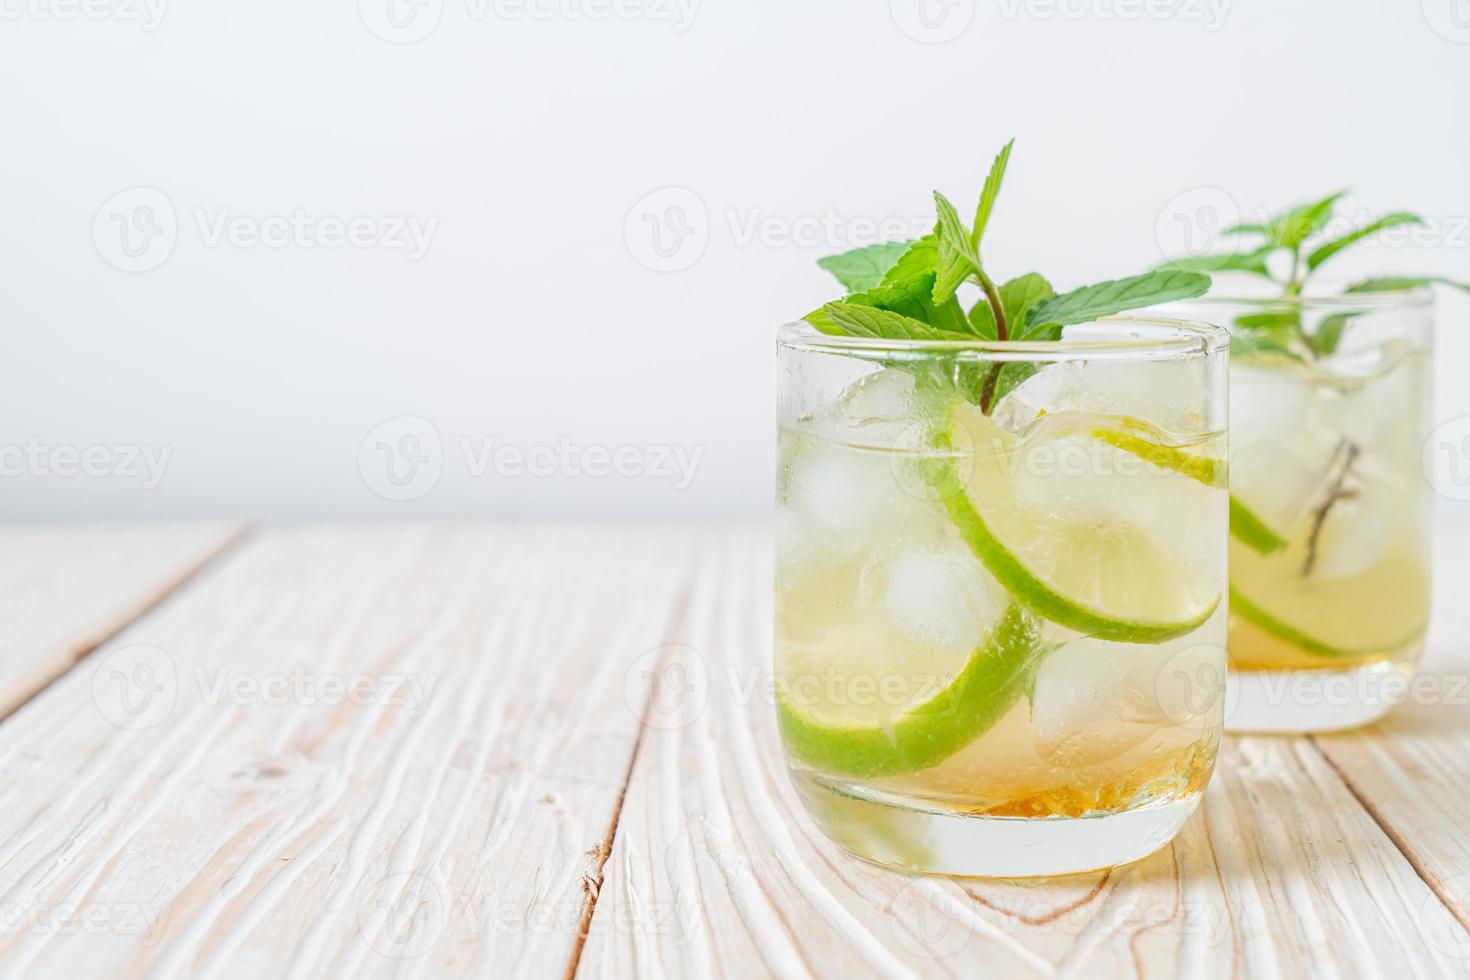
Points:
(1295, 225)
(1017, 297)
(982, 321)
(1393, 284)
(1327, 250)
(1247, 229)
(864, 268)
(919, 259)
(856, 320)
(1253, 262)
(1329, 334)
(1246, 346)
(1105, 298)
(956, 260)
(989, 193)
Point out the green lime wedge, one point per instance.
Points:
(1207, 470)
(1116, 581)
(1251, 531)
(931, 731)
(1269, 623)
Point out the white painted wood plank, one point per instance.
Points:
(1412, 769)
(64, 589)
(455, 831)
(715, 869)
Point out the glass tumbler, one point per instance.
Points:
(1001, 591)
(1330, 402)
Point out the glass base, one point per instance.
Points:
(1297, 701)
(898, 834)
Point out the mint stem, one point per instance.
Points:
(1002, 332)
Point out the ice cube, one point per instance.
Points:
(1167, 394)
(941, 598)
(1380, 411)
(1356, 536)
(879, 411)
(1265, 402)
(1094, 700)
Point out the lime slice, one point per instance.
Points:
(926, 733)
(1251, 531)
(1125, 573)
(1375, 612)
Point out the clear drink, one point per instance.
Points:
(999, 637)
(1330, 511)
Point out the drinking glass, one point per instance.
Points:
(1330, 402)
(1000, 591)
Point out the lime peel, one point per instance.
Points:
(1251, 531)
(991, 682)
(1268, 623)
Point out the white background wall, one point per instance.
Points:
(524, 137)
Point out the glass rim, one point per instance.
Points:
(1399, 299)
(1186, 338)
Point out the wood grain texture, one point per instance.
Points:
(63, 590)
(586, 779)
(1412, 769)
(169, 812)
(716, 870)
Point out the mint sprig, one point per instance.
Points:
(1296, 235)
(909, 291)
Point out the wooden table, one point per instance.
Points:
(418, 752)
